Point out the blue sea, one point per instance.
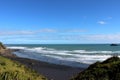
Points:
(75, 55)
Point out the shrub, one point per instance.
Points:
(106, 70)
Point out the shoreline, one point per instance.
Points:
(49, 70)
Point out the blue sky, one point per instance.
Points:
(59, 21)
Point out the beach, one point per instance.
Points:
(59, 39)
(51, 71)
(61, 62)
(75, 55)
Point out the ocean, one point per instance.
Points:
(75, 55)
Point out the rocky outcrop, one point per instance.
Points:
(114, 45)
(106, 70)
(5, 52)
(2, 46)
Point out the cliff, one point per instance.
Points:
(5, 52)
(2, 46)
(106, 70)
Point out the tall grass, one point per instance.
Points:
(11, 70)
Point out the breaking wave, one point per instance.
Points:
(75, 58)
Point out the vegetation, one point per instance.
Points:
(106, 70)
(11, 70)
(2, 46)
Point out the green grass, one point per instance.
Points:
(106, 70)
(11, 70)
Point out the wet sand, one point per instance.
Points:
(51, 71)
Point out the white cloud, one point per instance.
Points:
(59, 35)
(88, 38)
(75, 30)
(105, 37)
(17, 32)
(101, 22)
(47, 30)
(34, 32)
(27, 32)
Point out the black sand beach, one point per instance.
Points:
(51, 71)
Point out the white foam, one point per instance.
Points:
(84, 51)
(16, 47)
(66, 57)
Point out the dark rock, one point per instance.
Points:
(15, 50)
(114, 45)
(6, 52)
(2, 46)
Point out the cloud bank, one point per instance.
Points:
(101, 22)
(76, 38)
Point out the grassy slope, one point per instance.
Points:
(107, 70)
(11, 70)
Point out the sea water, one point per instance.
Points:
(75, 55)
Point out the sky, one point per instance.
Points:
(59, 21)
